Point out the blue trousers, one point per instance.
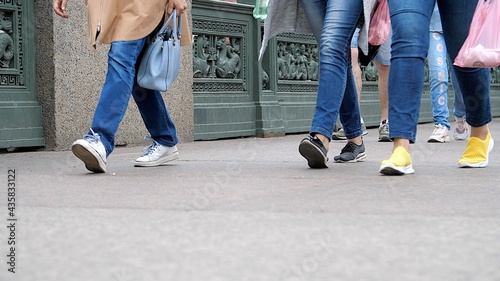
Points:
(120, 83)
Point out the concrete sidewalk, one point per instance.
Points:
(250, 209)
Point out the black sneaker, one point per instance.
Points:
(351, 153)
(314, 151)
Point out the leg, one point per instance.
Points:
(474, 82)
(383, 61)
(356, 71)
(458, 103)
(461, 130)
(438, 80)
(410, 42)
(383, 77)
(336, 90)
(98, 143)
(315, 12)
(117, 89)
(410, 21)
(155, 115)
(336, 70)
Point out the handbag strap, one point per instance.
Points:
(173, 18)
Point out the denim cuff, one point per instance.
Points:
(324, 132)
(356, 133)
(408, 136)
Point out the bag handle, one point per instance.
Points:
(173, 18)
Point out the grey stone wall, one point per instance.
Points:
(70, 76)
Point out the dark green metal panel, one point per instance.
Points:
(276, 95)
(20, 114)
(291, 61)
(223, 70)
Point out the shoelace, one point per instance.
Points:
(461, 124)
(151, 148)
(438, 130)
(94, 138)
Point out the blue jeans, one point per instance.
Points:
(438, 79)
(458, 103)
(410, 42)
(121, 82)
(333, 23)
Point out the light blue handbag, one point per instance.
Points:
(161, 61)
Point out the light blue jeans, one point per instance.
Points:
(120, 83)
(410, 44)
(438, 79)
(333, 23)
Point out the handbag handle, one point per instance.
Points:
(172, 17)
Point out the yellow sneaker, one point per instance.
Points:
(399, 163)
(476, 152)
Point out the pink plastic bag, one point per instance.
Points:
(481, 49)
(380, 24)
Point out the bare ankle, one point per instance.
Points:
(324, 140)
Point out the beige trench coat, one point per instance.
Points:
(124, 20)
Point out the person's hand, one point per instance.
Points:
(60, 8)
(179, 5)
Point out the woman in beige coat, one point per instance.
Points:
(126, 25)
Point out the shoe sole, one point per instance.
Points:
(159, 162)
(358, 158)
(90, 157)
(480, 164)
(335, 137)
(391, 170)
(314, 156)
(447, 139)
(460, 136)
(384, 139)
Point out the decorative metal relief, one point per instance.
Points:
(297, 61)
(11, 42)
(220, 58)
(216, 57)
(6, 42)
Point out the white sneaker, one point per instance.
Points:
(91, 151)
(340, 134)
(363, 127)
(440, 134)
(383, 131)
(461, 131)
(156, 155)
